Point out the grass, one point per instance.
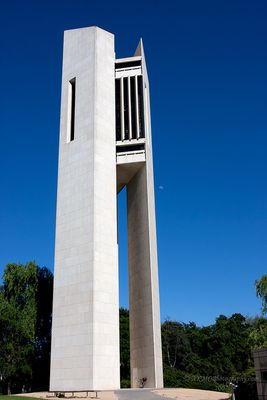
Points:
(2, 397)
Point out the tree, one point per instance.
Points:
(261, 291)
(230, 347)
(42, 345)
(124, 348)
(25, 326)
(17, 323)
(200, 344)
(175, 344)
(258, 334)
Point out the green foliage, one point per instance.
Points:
(17, 397)
(125, 383)
(208, 357)
(175, 344)
(230, 345)
(199, 357)
(258, 334)
(44, 299)
(17, 322)
(124, 347)
(221, 349)
(261, 291)
(25, 323)
(177, 378)
(194, 357)
(173, 377)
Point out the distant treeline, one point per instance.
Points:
(208, 357)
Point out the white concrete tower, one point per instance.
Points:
(105, 144)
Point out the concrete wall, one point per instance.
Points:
(260, 363)
(145, 328)
(85, 335)
(85, 331)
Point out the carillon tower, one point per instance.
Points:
(105, 144)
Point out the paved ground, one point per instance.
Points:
(136, 394)
(178, 394)
(191, 394)
(143, 394)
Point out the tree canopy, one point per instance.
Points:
(205, 357)
(261, 291)
(25, 323)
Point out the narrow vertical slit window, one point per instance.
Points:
(129, 109)
(118, 109)
(141, 107)
(133, 106)
(137, 108)
(71, 110)
(122, 108)
(126, 109)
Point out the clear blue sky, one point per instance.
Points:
(208, 74)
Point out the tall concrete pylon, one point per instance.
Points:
(105, 145)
